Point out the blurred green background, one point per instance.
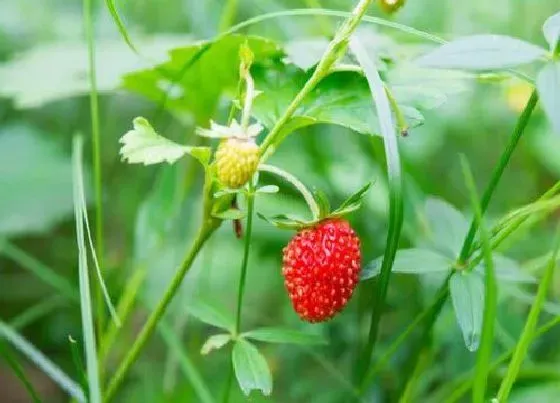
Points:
(151, 212)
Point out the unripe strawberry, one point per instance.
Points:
(236, 161)
(321, 266)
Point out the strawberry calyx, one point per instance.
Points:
(292, 222)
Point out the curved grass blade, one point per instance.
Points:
(19, 372)
(187, 366)
(39, 359)
(490, 294)
(39, 310)
(40, 270)
(530, 326)
(120, 24)
(389, 134)
(88, 328)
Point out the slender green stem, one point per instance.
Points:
(242, 278)
(245, 260)
(229, 380)
(19, 372)
(527, 334)
(124, 308)
(335, 49)
(96, 155)
(295, 182)
(421, 364)
(498, 172)
(157, 314)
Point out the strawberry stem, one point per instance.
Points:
(288, 177)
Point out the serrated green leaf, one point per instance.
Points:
(284, 336)
(215, 342)
(211, 315)
(482, 52)
(551, 30)
(410, 261)
(268, 189)
(251, 368)
(467, 295)
(548, 85)
(143, 145)
(231, 214)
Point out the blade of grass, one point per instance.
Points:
(39, 359)
(490, 293)
(412, 383)
(78, 363)
(88, 328)
(383, 107)
(124, 308)
(35, 312)
(17, 369)
(187, 366)
(120, 24)
(42, 271)
(229, 13)
(530, 326)
(96, 150)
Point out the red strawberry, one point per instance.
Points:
(321, 265)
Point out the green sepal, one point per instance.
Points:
(284, 221)
(353, 203)
(323, 203)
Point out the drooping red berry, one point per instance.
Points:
(321, 266)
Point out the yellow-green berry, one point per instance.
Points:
(236, 161)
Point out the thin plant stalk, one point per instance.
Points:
(530, 326)
(18, 370)
(96, 154)
(484, 353)
(229, 13)
(151, 324)
(242, 278)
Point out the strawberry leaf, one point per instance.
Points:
(251, 368)
(143, 145)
